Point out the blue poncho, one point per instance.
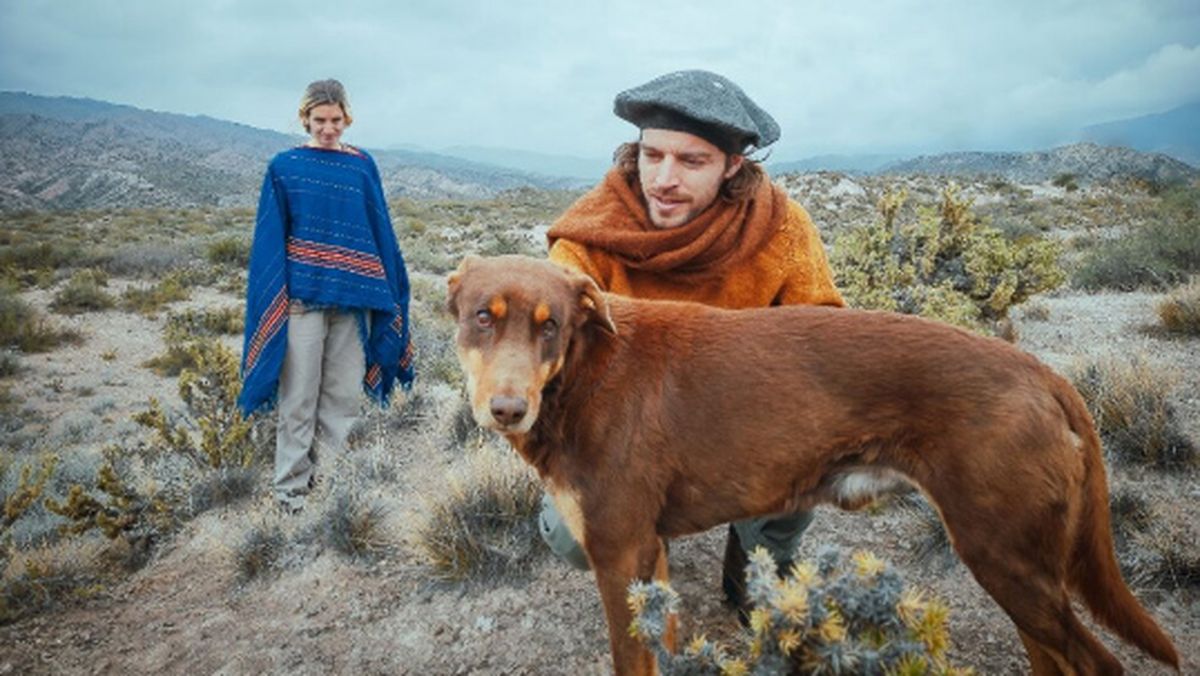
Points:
(323, 237)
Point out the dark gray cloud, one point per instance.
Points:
(841, 77)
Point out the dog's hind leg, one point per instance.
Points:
(1026, 577)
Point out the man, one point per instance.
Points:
(685, 214)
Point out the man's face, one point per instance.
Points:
(680, 175)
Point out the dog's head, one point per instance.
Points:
(516, 319)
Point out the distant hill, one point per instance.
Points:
(586, 169)
(61, 152)
(1086, 161)
(1175, 132)
(850, 164)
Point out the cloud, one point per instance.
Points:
(855, 76)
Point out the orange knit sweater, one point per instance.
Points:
(791, 269)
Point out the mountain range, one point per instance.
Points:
(60, 152)
(63, 153)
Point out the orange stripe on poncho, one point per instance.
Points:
(752, 253)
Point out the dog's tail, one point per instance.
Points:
(1094, 573)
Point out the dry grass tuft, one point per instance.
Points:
(1129, 400)
(354, 526)
(482, 526)
(260, 551)
(1180, 311)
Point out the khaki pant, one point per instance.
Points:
(318, 395)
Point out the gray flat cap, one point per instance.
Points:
(701, 103)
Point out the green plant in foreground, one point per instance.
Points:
(831, 616)
(947, 265)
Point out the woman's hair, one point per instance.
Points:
(735, 188)
(320, 93)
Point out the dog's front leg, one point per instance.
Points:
(617, 566)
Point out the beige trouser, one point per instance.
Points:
(318, 394)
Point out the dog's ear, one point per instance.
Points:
(592, 301)
(454, 283)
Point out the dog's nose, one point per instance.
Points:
(508, 410)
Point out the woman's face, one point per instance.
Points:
(325, 124)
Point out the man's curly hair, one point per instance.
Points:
(738, 187)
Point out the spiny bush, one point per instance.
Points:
(1158, 255)
(150, 300)
(947, 265)
(1180, 311)
(184, 329)
(21, 327)
(141, 519)
(10, 365)
(831, 616)
(24, 494)
(482, 526)
(41, 584)
(84, 292)
(353, 525)
(230, 251)
(260, 551)
(210, 391)
(1129, 400)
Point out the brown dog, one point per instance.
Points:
(649, 420)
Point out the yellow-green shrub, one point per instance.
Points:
(946, 265)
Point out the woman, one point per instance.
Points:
(327, 296)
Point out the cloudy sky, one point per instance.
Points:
(841, 77)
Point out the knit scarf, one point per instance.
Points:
(613, 217)
(323, 237)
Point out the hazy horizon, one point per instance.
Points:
(905, 77)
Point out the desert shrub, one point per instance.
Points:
(21, 326)
(482, 525)
(210, 322)
(230, 251)
(42, 584)
(1180, 311)
(1158, 543)
(946, 265)
(837, 615)
(210, 389)
(10, 364)
(31, 262)
(1158, 255)
(182, 332)
(353, 525)
(500, 242)
(1066, 181)
(1129, 400)
(118, 510)
(1036, 312)
(84, 292)
(259, 552)
(151, 299)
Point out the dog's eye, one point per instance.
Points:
(549, 329)
(484, 319)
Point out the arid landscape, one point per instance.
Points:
(417, 553)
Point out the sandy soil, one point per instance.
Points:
(187, 612)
